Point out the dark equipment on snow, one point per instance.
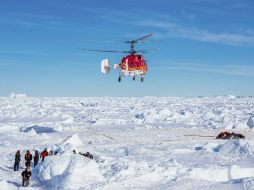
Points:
(228, 135)
(237, 136)
(88, 155)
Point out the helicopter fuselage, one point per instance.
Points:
(133, 65)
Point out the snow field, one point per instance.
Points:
(137, 143)
(217, 112)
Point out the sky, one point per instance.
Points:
(206, 47)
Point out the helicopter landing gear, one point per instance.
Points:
(134, 78)
(142, 79)
(119, 79)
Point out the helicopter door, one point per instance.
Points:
(127, 66)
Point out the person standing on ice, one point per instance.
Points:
(36, 158)
(17, 161)
(26, 174)
(44, 154)
(28, 158)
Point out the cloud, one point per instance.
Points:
(194, 33)
(22, 52)
(32, 20)
(13, 63)
(19, 21)
(169, 26)
(231, 70)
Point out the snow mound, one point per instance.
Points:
(231, 96)
(8, 185)
(9, 128)
(141, 173)
(235, 149)
(69, 144)
(210, 173)
(68, 119)
(38, 129)
(73, 140)
(13, 95)
(250, 122)
(209, 147)
(217, 173)
(69, 172)
(232, 149)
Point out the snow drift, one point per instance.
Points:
(235, 149)
(8, 185)
(69, 172)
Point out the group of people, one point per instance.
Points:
(26, 174)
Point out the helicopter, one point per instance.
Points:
(133, 64)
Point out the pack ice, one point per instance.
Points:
(137, 143)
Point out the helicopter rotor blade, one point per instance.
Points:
(151, 41)
(113, 41)
(147, 50)
(139, 39)
(104, 41)
(108, 51)
(144, 37)
(141, 51)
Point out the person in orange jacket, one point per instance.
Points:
(28, 158)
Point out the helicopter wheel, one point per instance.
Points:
(134, 78)
(119, 79)
(142, 79)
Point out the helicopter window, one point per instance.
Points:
(139, 57)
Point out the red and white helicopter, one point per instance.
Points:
(132, 65)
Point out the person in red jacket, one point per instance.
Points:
(44, 154)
